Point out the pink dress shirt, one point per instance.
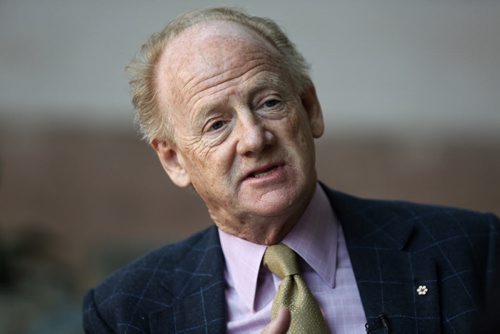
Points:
(319, 241)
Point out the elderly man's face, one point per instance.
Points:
(243, 135)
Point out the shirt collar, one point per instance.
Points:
(314, 238)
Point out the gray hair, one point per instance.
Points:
(155, 123)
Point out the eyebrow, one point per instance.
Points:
(270, 82)
(204, 113)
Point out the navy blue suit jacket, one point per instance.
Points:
(394, 248)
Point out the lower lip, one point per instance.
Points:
(275, 175)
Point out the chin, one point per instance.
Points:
(276, 205)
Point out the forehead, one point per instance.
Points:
(206, 42)
(209, 50)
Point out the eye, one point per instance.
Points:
(216, 125)
(271, 103)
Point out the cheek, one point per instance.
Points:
(297, 130)
(211, 167)
(300, 141)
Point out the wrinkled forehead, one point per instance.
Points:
(209, 53)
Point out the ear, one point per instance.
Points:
(313, 109)
(172, 162)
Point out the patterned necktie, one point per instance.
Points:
(293, 293)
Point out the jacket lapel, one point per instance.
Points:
(197, 291)
(387, 271)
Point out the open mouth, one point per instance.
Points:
(264, 171)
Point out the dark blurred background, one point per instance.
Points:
(410, 92)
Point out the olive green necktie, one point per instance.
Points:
(293, 293)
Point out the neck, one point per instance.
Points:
(258, 229)
(263, 233)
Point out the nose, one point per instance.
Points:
(253, 136)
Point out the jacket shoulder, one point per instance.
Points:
(163, 263)
(150, 283)
(443, 221)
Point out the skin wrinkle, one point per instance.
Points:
(232, 118)
(214, 76)
(212, 89)
(260, 85)
(229, 132)
(232, 82)
(262, 51)
(217, 87)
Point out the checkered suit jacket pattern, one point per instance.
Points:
(394, 248)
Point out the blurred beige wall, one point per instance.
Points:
(98, 188)
(412, 68)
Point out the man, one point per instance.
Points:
(227, 103)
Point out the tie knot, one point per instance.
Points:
(281, 260)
